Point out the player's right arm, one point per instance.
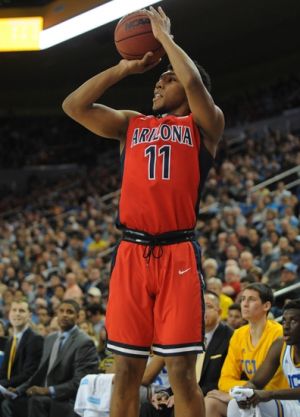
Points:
(102, 120)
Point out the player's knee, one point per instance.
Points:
(129, 371)
(181, 369)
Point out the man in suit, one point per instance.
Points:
(68, 356)
(23, 350)
(217, 336)
(208, 368)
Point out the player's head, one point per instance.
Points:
(291, 322)
(169, 94)
(256, 301)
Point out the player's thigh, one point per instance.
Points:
(129, 318)
(179, 308)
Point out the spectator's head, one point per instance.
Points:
(94, 295)
(266, 248)
(41, 291)
(59, 291)
(246, 260)
(95, 312)
(291, 322)
(246, 280)
(71, 279)
(232, 274)
(19, 315)
(235, 319)
(214, 285)
(256, 301)
(94, 275)
(212, 310)
(43, 315)
(232, 252)
(288, 273)
(210, 267)
(67, 314)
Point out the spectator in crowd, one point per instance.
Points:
(247, 349)
(246, 262)
(96, 314)
(235, 319)
(67, 356)
(94, 295)
(23, 350)
(215, 285)
(73, 291)
(210, 268)
(232, 276)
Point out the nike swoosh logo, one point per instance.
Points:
(183, 271)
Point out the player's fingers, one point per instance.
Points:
(161, 12)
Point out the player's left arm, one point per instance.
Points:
(206, 114)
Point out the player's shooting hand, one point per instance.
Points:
(160, 23)
(34, 390)
(138, 66)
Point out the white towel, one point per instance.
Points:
(241, 394)
(94, 395)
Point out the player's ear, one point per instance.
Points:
(267, 306)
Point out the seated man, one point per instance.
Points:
(247, 349)
(217, 336)
(68, 355)
(286, 353)
(23, 350)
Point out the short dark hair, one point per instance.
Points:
(293, 304)
(73, 303)
(248, 278)
(265, 291)
(204, 75)
(235, 306)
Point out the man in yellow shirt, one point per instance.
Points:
(215, 285)
(248, 348)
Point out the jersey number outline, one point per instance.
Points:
(164, 152)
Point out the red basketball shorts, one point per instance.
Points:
(156, 302)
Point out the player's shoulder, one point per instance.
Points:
(241, 332)
(274, 327)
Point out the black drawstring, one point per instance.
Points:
(150, 250)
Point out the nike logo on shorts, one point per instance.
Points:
(183, 271)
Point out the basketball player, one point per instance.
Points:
(156, 288)
(284, 352)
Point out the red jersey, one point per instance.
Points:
(165, 164)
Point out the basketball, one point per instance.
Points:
(134, 37)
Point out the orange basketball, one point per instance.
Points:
(134, 37)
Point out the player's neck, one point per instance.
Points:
(256, 329)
